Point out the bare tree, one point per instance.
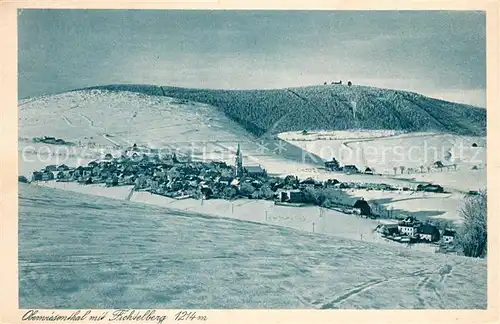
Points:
(472, 235)
(395, 170)
(421, 169)
(402, 168)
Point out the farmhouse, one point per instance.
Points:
(350, 169)
(409, 226)
(36, 176)
(362, 207)
(428, 233)
(292, 196)
(332, 165)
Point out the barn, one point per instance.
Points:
(363, 206)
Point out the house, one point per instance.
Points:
(362, 207)
(292, 196)
(409, 226)
(430, 188)
(309, 182)
(63, 167)
(61, 175)
(341, 185)
(428, 233)
(254, 171)
(51, 167)
(207, 192)
(112, 181)
(332, 165)
(388, 229)
(350, 169)
(96, 170)
(438, 164)
(36, 176)
(331, 182)
(448, 236)
(225, 180)
(47, 175)
(368, 171)
(22, 179)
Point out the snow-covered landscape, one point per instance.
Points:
(201, 131)
(215, 168)
(116, 254)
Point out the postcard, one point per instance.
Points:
(214, 162)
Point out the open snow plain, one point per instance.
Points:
(76, 252)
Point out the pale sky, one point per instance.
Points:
(437, 53)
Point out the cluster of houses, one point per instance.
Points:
(168, 176)
(333, 165)
(349, 83)
(410, 230)
(51, 140)
(160, 175)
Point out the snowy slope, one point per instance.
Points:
(76, 252)
(113, 121)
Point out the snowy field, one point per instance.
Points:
(383, 153)
(76, 252)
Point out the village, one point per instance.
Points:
(176, 178)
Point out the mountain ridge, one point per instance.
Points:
(327, 107)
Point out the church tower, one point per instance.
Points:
(239, 162)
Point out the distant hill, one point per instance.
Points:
(330, 107)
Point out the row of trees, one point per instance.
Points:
(422, 169)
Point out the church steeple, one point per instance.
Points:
(239, 162)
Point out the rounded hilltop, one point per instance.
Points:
(328, 107)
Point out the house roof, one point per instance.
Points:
(254, 169)
(449, 233)
(403, 224)
(361, 203)
(428, 229)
